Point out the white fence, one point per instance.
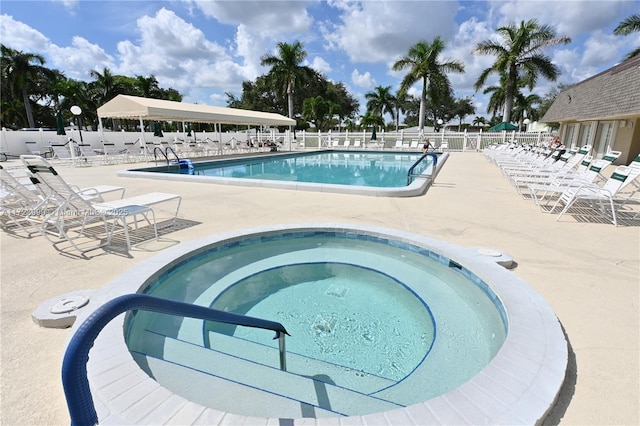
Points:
(13, 143)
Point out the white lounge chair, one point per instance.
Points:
(61, 154)
(88, 155)
(35, 149)
(594, 196)
(17, 201)
(72, 209)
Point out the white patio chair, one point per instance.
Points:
(17, 202)
(595, 196)
(73, 210)
(88, 156)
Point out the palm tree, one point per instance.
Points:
(147, 86)
(424, 65)
(479, 120)
(314, 110)
(286, 70)
(626, 27)
(520, 56)
(524, 107)
(21, 71)
(105, 87)
(380, 102)
(402, 102)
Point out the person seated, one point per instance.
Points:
(556, 145)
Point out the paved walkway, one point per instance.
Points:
(588, 272)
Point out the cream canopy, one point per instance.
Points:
(134, 107)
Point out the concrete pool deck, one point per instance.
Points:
(587, 272)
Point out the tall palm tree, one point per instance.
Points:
(424, 65)
(286, 69)
(381, 102)
(21, 71)
(519, 55)
(626, 27)
(402, 102)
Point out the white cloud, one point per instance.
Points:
(366, 81)
(320, 65)
(79, 59)
(19, 36)
(376, 31)
(179, 55)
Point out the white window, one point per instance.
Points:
(585, 134)
(569, 135)
(604, 137)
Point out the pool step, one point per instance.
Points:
(233, 384)
(299, 364)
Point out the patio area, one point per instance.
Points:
(587, 271)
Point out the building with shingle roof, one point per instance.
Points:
(602, 111)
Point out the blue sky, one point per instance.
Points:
(204, 48)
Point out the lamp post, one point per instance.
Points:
(440, 122)
(76, 110)
(526, 124)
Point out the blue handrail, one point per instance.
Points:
(74, 364)
(433, 155)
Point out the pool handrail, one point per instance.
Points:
(165, 154)
(410, 174)
(74, 364)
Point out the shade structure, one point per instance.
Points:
(503, 126)
(134, 107)
(60, 125)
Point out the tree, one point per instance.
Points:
(520, 56)
(525, 107)
(462, 108)
(402, 102)
(626, 27)
(22, 71)
(424, 65)
(315, 110)
(380, 102)
(286, 71)
(371, 120)
(147, 87)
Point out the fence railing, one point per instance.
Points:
(14, 142)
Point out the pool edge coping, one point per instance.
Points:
(530, 394)
(419, 186)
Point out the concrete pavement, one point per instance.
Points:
(588, 273)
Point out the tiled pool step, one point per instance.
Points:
(298, 364)
(233, 384)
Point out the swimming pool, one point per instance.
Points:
(377, 173)
(519, 385)
(363, 316)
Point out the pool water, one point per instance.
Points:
(339, 313)
(383, 319)
(370, 169)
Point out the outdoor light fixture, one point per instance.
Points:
(76, 110)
